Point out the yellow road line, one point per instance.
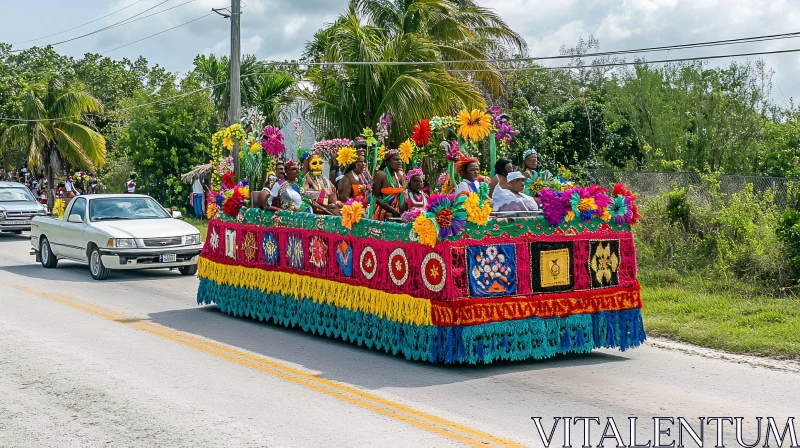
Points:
(423, 420)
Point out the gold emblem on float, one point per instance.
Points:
(554, 268)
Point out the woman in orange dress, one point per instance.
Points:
(388, 187)
(355, 183)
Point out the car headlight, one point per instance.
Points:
(193, 239)
(122, 242)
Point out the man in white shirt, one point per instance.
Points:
(512, 199)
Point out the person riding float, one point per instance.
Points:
(530, 159)
(501, 169)
(323, 195)
(290, 193)
(414, 197)
(513, 199)
(389, 186)
(469, 169)
(355, 182)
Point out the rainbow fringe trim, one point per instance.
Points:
(513, 340)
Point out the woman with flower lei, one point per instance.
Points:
(355, 183)
(290, 193)
(323, 195)
(415, 200)
(389, 186)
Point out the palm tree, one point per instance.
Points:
(215, 73)
(461, 30)
(274, 92)
(54, 132)
(261, 88)
(344, 99)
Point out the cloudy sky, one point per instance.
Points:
(278, 29)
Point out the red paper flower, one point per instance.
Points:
(233, 204)
(229, 180)
(422, 133)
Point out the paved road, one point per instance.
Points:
(133, 361)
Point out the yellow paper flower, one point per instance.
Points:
(475, 213)
(211, 211)
(606, 215)
(352, 214)
(245, 191)
(587, 204)
(58, 208)
(227, 141)
(346, 156)
(570, 216)
(474, 125)
(427, 230)
(447, 186)
(406, 151)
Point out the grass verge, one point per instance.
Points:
(201, 224)
(732, 318)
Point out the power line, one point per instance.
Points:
(627, 63)
(79, 26)
(156, 34)
(566, 67)
(101, 29)
(742, 40)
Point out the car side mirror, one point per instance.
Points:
(177, 215)
(75, 218)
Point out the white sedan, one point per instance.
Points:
(126, 231)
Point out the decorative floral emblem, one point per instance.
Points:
(603, 263)
(344, 256)
(294, 252)
(492, 270)
(434, 272)
(368, 262)
(230, 243)
(213, 240)
(398, 266)
(318, 252)
(270, 249)
(249, 246)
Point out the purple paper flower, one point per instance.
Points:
(272, 141)
(449, 214)
(554, 205)
(454, 152)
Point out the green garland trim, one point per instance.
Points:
(516, 340)
(401, 232)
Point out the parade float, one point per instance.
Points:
(454, 285)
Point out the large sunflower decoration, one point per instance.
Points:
(406, 151)
(474, 125)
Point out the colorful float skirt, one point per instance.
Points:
(514, 289)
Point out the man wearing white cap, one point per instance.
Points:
(512, 199)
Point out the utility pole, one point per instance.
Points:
(236, 57)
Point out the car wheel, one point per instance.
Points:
(49, 259)
(188, 270)
(96, 268)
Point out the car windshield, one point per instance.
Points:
(16, 194)
(111, 209)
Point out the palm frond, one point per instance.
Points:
(72, 151)
(74, 103)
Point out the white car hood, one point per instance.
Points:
(146, 228)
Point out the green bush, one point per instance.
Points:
(720, 237)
